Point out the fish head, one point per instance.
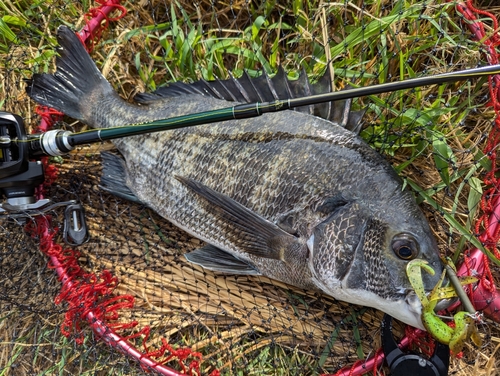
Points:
(360, 254)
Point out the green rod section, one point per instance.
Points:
(256, 109)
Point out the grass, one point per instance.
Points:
(432, 135)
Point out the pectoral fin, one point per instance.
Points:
(248, 231)
(213, 258)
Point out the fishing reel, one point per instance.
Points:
(20, 177)
(407, 363)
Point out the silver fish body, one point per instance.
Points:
(287, 195)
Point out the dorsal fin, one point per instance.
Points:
(266, 89)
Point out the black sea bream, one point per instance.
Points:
(288, 195)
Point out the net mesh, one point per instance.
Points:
(68, 310)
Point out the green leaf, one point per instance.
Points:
(442, 154)
(483, 160)
(6, 32)
(475, 195)
(13, 20)
(256, 26)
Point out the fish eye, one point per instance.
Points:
(405, 247)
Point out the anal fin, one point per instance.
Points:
(213, 258)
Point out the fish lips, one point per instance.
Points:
(415, 307)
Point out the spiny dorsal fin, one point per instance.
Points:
(267, 89)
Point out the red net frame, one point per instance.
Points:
(90, 297)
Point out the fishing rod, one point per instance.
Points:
(58, 142)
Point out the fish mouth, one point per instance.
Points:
(415, 308)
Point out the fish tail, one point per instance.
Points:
(75, 85)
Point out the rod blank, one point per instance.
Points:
(248, 110)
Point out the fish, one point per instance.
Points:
(296, 196)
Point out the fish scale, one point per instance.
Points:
(288, 195)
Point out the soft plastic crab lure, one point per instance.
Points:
(465, 322)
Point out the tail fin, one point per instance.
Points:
(76, 80)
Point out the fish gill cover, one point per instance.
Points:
(132, 275)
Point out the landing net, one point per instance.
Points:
(127, 302)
